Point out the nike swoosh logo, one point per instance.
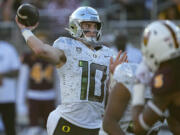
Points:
(107, 56)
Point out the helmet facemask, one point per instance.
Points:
(97, 33)
(80, 15)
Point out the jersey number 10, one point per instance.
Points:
(84, 81)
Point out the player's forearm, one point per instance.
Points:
(112, 128)
(7, 10)
(117, 130)
(137, 128)
(37, 46)
(46, 51)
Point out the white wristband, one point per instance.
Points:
(138, 94)
(26, 33)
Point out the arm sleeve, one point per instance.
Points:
(124, 74)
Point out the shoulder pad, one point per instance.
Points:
(63, 42)
(108, 51)
(125, 72)
(63, 39)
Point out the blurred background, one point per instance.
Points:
(123, 22)
(126, 17)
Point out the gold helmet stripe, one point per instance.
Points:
(173, 34)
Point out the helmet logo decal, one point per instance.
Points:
(146, 36)
(173, 35)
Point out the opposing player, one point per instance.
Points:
(83, 64)
(117, 118)
(161, 51)
(117, 108)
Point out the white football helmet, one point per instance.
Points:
(84, 14)
(161, 41)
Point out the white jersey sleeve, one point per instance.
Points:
(9, 61)
(10, 57)
(125, 74)
(64, 44)
(143, 75)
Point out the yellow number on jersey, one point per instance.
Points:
(47, 74)
(158, 81)
(38, 74)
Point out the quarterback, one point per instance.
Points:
(83, 64)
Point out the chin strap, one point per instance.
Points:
(95, 45)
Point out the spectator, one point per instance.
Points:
(132, 9)
(59, 12)
(9, 69)
(6, 8)
(170, 10)
(41, 94)
(121, 43)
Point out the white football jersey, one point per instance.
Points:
(143, 74)
(9, 61)
(125, 74)
(83, 81)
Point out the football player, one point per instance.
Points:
(9, 71)
(40, 90)
(160, 48)
(118, 100)
(117, 118)
(83, 64)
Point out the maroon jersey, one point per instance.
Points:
(41, 75)
(166, 82)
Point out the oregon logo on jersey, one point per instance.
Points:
(66, 128)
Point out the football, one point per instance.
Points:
(28, 14)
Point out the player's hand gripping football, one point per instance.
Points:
(119, 60)
(21, 26)
(27, 16)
